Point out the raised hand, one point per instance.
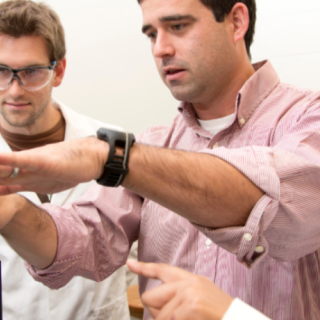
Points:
(53, 168)
(182, 296)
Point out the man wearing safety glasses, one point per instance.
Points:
(32, 62)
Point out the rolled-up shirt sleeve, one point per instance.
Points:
(95, 235)
(284, 225)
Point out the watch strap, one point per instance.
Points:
(116, 166)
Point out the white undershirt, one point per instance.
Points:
(216, 125)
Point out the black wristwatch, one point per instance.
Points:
(116, 167)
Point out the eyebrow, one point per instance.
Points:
(27, 66)
(176, 17)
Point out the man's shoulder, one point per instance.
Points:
(79, 116)
(296, 97)
(296, 89)
(96, 124)
(79, 125)
(265, 86)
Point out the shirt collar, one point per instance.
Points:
(250, 96)
(256, 90)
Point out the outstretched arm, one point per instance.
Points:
(202, 188)
(29, 230)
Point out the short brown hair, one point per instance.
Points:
(221, 8)
(25, 18)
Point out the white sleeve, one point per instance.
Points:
(239, 310)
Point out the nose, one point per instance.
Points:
(163, 46)
(15, 89)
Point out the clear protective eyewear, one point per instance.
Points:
(31, 78)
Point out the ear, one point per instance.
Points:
(59, 72)
(239, 18)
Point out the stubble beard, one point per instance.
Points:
(194, 86)
(13, 117)
(190, 90)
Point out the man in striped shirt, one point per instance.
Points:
(229, 191)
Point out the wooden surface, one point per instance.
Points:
(135, 304)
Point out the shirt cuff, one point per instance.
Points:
(248, 242)
(239, 310)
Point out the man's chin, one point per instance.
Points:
(183, 94)
(16, 123)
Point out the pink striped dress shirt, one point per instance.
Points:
(272, 263)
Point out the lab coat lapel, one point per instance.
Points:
(4, 147)
(76, 127)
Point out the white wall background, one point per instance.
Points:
(288, 33)
(111, 74)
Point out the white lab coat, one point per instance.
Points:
(81, 299)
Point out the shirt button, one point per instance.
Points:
(208, 242)
(216, 145)
(247, 237)
(259, 249)
(242, 121)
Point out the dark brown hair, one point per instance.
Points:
(25, 18)
(221, 8)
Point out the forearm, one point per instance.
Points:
(31, 232)
(202, 188)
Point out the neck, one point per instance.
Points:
(223, 103)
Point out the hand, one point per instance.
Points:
(182, 296)
(53, 168)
